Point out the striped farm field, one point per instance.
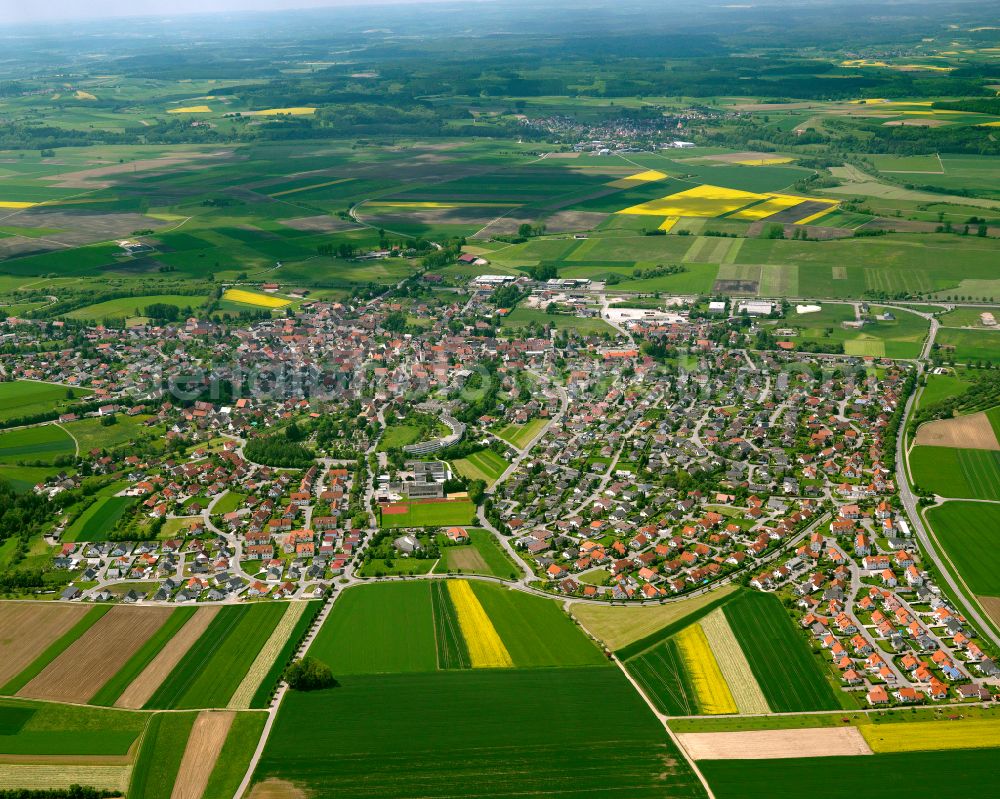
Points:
(957, 473)
(208, 735)
(113, 688)
(62, 776)
(711, 690)
(733, 664)
(485, 465)
(80, 671)
(216, 665)
(255, 299)
(28, 628)
(486, 649)
(159, 758)
(786, 670)
(265, 659)
(145, 684)
(452, 651)
(933, 735)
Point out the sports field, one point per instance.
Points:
(432, 513)
(959, 473)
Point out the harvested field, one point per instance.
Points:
(559, 222)
(962, 432)
(265, 658)
(89, 662)
(27, 628)
(61, 777)
(918, 122)
(774, 744)
(618, 627)
(202, 750)
(98, 176)
(733, 664)
(145, 685)
(276, 789)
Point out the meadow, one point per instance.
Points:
(35, 444)
(913, 774)
(501, 730)
(99, 521)
(133, 307)
(519, 435)
(965, 346)
(483, 555)
(485, 465)
(969, 533)
(959, 473)
(19, 398)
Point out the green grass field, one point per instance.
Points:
(31, 444)
(787, 672)
(521, 318)
(386, 627)
(128, 307)
(220, 658)
(497, 733)
(19, 398)
(664, 679)
(114, 687)
(99, 520)
(519, 435)
(262, 698)
(398, 435)
(234, 759)
(432, 514)
(47, 729)
(897, 776)
(960, 473)
(969, 533)
(55, 649)
(485, 465)
(91, 434)
(942, 387)
(160, 756)
(966, 346)
(483, 555)
(535, 630)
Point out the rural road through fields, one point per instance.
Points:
(927, 542)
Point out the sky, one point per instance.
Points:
(17, 11)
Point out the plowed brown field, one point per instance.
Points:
(89, 662)
(27, 629)
(202, 750)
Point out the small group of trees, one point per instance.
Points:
(309, 674)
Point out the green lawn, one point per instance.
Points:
(31, 444)
(485, 465)
(520, 434)
(969, 533)
(496, 733)
(896, 776)
(233, 500)
(450, 513)
(961, 473)
(384, 627)
(398, 435)
(788, 673)
(20, 398)
(942, 387)
(379, 567)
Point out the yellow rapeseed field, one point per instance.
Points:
(913, 736)
(191, 109)
(778, 202)
(311, 187)
(647, 176)
(733, 664)
(813, 217)
(713, 693)
(253, 298)
(14, 204)
(668, 223)
(764, 161)
(82, 95)
(486, 650)
(704, 201)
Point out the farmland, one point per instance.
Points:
(98, 522)
(23, 398)
(481, 725)
(967, 531)
(485, 465)
(960, 473)
(35, 444)
(518, 435)
(27, 630)
(482, 556)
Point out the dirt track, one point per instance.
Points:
(203, 747)
(145, 685)
(27, 628)
(773, 744)
(89, 662)
(966, 432)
